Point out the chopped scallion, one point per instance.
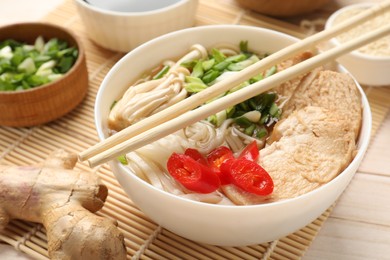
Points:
(24, 66)
(162, 72)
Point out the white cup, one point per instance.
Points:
(122, 25)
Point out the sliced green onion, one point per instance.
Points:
(250, 130)
(236, 58)
(189, 64)
(195, 87)
(208, 64)
(65, 64)
(6, 53)
(212, 119)
(194, 84)
(122, 159)
(220, 118)
(244, 46)
(242, 85)
(261, 132)
(210, 76)
(243, 64)
(222, 65)
(218, 55)
(39, 43)
(253, 116)
(44, 73)
(113, 104)
(191, 79)
(270, 71)
(162, 72)
(230, 111)
(274, 110)
(243, 121)
(244, 106)
(264, 101)
(256, 78)
(27, 66)
(54, 77)
(197, 70)
(47, 65)
(264, 118)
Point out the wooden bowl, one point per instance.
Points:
(50, 101)
(283, 8)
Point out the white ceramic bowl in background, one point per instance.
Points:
(367, 69)
(209, 223)
(124, 30)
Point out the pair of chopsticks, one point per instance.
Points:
(184, 113)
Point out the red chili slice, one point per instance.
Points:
(250, 152)
(220, 154)
(224, 171)
(192, 174)
(251, 177)
(196, 155)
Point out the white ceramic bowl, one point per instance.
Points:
(209, 223)
(367, 69)
(124, 30)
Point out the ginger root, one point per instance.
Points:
(64, 201)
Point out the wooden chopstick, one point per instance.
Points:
(150, 127)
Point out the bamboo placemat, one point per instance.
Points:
(76, 132)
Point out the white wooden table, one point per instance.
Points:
(359, 226)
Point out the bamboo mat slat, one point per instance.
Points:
(76, 131)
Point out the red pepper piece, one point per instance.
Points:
(216, 157)
(196, 155)
(224, 171)
(250, 152)
(251, 177)
(192, 174)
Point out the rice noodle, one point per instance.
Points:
(213, 197)
(147, 168)
(171, 186)
(246, 138)
(161, 149)
(234, 141)
(202, 136)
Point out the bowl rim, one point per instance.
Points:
(329, 23)
(361, 144)
(164, 9)
(76, 65)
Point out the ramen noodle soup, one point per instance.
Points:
(274, 146)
